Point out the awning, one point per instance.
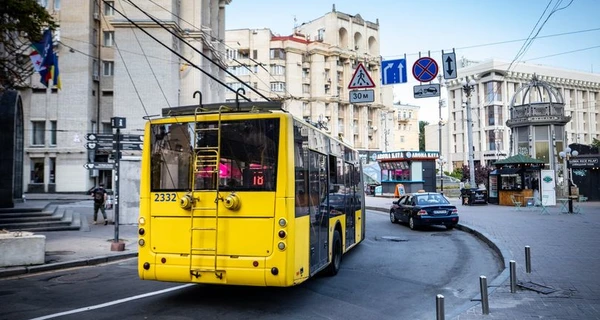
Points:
(508, 170)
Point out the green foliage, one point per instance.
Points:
(422, 125)
(596, 143)
(25, 16)
(481, 174)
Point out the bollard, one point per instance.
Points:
(439, 307)
(513, 276)
(527, 259)
(485, 306)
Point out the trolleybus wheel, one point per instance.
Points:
(336, 254)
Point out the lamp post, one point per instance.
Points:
(468, 89)
(566, 155)
(440, 124)
(441, 161)
(497, 134)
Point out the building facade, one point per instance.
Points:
(116, 62)
(490, 100)
(310, 71)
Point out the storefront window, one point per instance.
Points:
(511, 182)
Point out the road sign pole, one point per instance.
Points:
(117, 187)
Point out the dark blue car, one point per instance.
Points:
(424, 209)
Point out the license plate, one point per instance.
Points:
(440, 211)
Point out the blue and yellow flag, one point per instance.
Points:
(45, 60)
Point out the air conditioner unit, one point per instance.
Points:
(96, 16)
(96, 77)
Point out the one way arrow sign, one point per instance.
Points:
(449, 63)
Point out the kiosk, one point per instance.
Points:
(516, 177)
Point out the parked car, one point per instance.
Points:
(425, 208)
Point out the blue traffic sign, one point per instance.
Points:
(393, 71)
(425, 69)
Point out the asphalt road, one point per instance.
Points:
(395, 273)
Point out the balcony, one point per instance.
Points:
(537, 114)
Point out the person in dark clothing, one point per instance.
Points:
(99, 194)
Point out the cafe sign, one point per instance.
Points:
(408, 155)
(584, 162)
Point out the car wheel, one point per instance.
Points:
(336, 255)
(411, 223)
(393, 217)
(450, 226)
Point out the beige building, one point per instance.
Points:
(310, 71)
(490, 100)
(111, 68)
(404, 130)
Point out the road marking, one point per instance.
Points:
(112, 303)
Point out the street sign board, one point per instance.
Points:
(131, 137)
(129, 146)
(427, 91)
(393, 71)
(99, 166)
(97, 145)
(99, 137)
(361, 79)
(425, 69)
(118, 122)
(449, 64)
(362, 96)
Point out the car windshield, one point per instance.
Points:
(428, 199)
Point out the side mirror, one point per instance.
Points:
(395, 202)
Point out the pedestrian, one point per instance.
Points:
(99, 194)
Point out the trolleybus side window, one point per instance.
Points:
(171, 156)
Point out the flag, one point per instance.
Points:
(45, 60)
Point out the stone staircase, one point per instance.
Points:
(53, 217)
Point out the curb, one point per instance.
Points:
(29, 270)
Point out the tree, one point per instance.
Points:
(21, 23)
(596, 143)
(422, 125)
(481, 174)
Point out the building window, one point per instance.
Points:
(305, 73)
(109, 37)
(306, 88)
(278, 86)
(53, 132)
(43, 3)
(108, 68)
(52, 168)
(37, 170)
(38, 137)
(277, 54)
(254, 54)
(490, 115)
(108, 8)
(493, 91)
(232, 54)
(56, 5)
(277, 70)
(320, 34)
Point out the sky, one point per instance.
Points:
(410, 27)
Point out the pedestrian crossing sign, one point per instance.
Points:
(361, 79)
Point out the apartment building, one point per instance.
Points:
(309, 71)
(490, 101)
(116, 62)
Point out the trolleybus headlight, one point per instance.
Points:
(141, 220)
(282, 234)
(146, 266)
(232, 202)
(281, 246)
(141, 231)
(274, 271)
(282, 222)
(141, 242)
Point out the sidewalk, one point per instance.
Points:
(565, 255)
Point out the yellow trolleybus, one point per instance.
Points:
(245, 194)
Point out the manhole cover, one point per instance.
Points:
(76, 277)
(59, 253)
(391, 238)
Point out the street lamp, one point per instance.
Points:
(497, 139)
(441, 161)
(468, 89)
(566, 155)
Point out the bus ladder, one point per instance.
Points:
(206, 163)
